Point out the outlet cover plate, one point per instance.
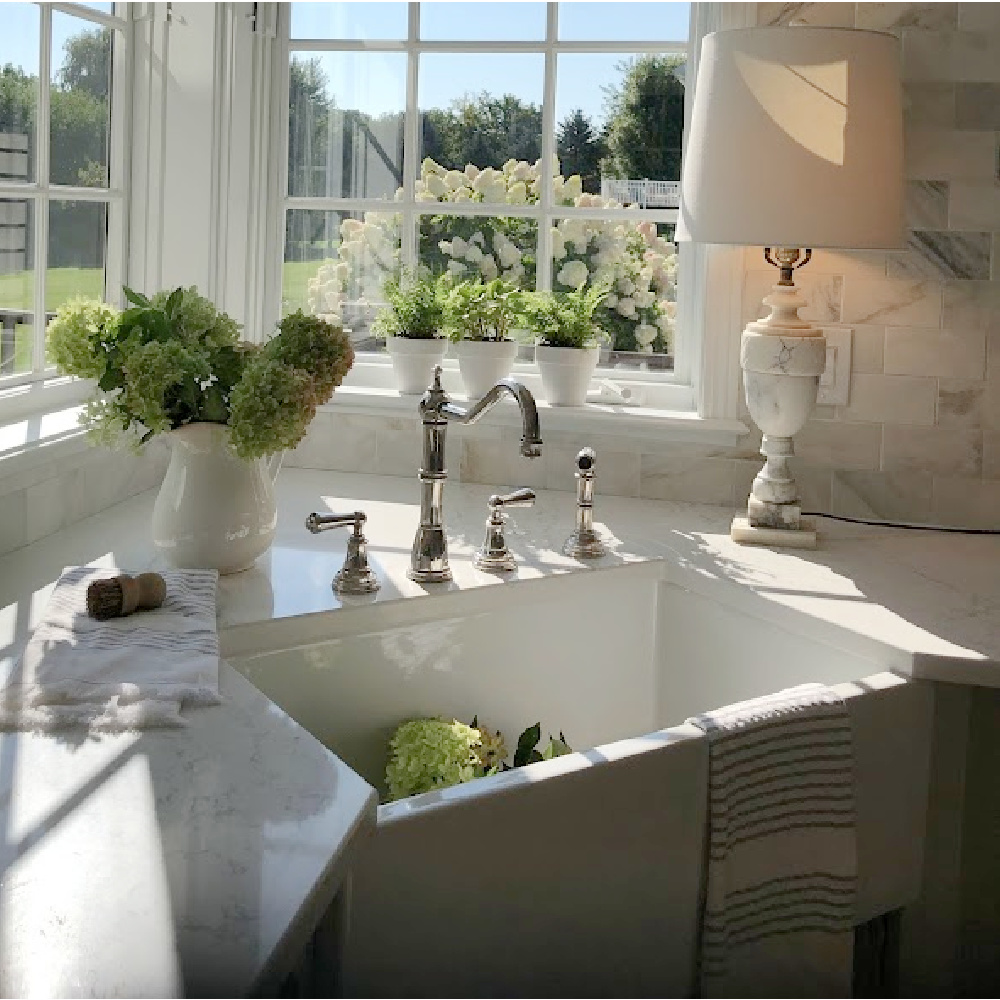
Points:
(835, 382)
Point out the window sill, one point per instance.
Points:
(637, 422)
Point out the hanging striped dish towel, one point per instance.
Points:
(782, 866)
(124, 673)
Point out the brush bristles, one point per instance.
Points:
(105, 599)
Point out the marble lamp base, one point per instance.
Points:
(782, 359)
(802, 537)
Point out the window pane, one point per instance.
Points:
(345, 136)
(480, 247)
(78, 237)
(349, 20)
(631, 22)
(336, 263)
(500, 121)
(80, 101)
(18, 91)
(620, 119)
(472, 22)
(17, 286)
(637, 261)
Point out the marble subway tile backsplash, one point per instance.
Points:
(64, 491)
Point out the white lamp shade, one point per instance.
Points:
(795, 140)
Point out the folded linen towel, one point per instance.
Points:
(124, 673)
(782, 868)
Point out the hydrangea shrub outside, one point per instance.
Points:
(632, 257)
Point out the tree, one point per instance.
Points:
(86, 64)
(580, 150)
(646, 120)
(483, 130)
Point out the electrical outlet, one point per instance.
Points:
(835, 382)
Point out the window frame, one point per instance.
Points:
(18, 388)
(671, 389)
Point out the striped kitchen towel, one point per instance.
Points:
(124, 673)
(782, 864)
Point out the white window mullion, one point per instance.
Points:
(119, 158)
(409, 240)
(41, 204)
(543, 266)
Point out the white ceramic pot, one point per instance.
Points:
(214, 510)
(482, 363)
(566, 373)
(413, 362)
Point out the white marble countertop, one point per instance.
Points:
(227, 826)
(921, 602)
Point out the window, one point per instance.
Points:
(61, 169)
(418, 134)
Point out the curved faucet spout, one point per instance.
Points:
(531, 442)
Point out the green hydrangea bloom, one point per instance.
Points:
(77, 334)
(154, 374)
(197, 321)
(269, 408)
(314, 346)
(431, 753)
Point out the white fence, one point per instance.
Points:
(644, 193)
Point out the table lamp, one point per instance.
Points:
(795, 143)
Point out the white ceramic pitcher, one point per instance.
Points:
(214, 510)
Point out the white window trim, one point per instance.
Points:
(41, 386)
(702, 395)
(248, 218)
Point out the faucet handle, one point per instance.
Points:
(493, 554)
(355, 576)
(519, 498)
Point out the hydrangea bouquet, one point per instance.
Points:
(635, 263)
(436, 753)
(174, 359)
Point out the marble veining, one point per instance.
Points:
(964, 256)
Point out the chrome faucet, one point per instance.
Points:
(429, 559)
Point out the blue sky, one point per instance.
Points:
(19, 33)
(375, 82)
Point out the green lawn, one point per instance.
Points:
(295, 277)
(17, 291)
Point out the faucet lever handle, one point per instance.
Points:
(524, 497)
(355, 576)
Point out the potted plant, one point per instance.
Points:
(173, 364)
(479, 316)
(411, 322)
(567, 346)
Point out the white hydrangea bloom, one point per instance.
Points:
(488, 267)
(454, 179)
(456, 268)
(474, 254)
(646, 333)
(573, 187)
(430, 168)
(626, 308)
(573, 274)
(458, 247)
(471, 172)
(517, 193)
(558, 244)
(436, 185)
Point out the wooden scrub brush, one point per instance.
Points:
(123, 594)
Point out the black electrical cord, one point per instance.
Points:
(904, 524)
